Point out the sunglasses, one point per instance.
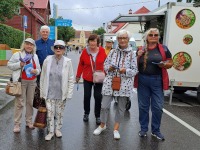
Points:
(59, 47)
(153, 35)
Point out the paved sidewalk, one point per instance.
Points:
(4, 98)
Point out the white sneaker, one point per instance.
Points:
(98, 130)
(116, 134)
(49, 136)
(58, 133)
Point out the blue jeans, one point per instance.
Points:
(150, 93)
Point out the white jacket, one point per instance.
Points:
(67, 78)
(14, 64)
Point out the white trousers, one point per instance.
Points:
(55, 111)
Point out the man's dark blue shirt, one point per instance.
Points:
(44, 49)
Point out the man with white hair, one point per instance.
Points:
(44, 44)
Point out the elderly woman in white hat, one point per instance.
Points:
(57, 73)
(20, 63)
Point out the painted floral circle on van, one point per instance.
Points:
(182, 61)
(185, 18)
(187, 39)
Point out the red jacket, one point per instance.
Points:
(84, 66)
(165, 77)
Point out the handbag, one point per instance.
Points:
(98, 75)
(116, 83)
(14, 88)
(41, 118)
(37, 100)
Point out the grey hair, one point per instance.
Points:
(45, 27)
(22, 48)
(149, 31)
(121, 32)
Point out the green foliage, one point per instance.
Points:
(8, 9)
(65, 33)
(51, 22)
(196, 1)
(11, 36)
(99, 31)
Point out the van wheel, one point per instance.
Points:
(198, 94)
(179, 91)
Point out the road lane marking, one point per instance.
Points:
(178, 120)
(182, 122)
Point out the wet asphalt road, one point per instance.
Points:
(77, 135)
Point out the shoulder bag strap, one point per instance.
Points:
(91, 63)
(19, 80)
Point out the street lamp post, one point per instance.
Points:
(31, 5)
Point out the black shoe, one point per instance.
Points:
(85, 118)
(98, 121)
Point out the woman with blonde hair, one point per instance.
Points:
(153, 61)
(25, 64)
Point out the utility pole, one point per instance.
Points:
(55, 16)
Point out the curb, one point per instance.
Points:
(5, 99)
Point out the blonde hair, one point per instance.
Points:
(145, 48)
(22, 48)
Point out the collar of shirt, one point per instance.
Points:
(43, 41)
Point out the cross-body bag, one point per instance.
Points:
(116, 81)
(14, 88)
(98, 75)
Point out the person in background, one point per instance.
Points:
(18, 63)
(121, 62)
(97, 55)
(108, 47)
(57, 73)
(44, 44)
(153, 61)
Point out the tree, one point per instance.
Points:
(64, 33)
(8, 8)
(99, 31)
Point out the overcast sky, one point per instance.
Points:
(97, 12)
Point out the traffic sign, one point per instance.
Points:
(63, 22)
(25, 18)
(52, 32)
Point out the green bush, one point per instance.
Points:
(11, 36)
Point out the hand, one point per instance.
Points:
(140, 52)
(77, 79)
(122, 70)
(111, 68)
(22, 64)
(34, 71)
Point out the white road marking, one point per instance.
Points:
(4, 79)
(178, 120)
(182, 122)
(3, 84)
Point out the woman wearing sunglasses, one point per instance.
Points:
(153, 61)
(57, 73)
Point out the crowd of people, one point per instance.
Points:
(117, 70)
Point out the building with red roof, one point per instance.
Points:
(134, 28)
(37, 16)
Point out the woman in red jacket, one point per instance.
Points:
(95, 54)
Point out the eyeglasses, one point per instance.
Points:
(153, 35)
(59, 47)
(122, 38)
